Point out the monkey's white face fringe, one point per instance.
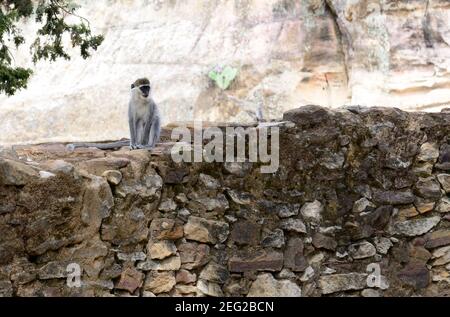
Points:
(187, 151)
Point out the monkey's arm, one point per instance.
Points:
(132, 124)
(101, 146)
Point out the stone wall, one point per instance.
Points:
(357, 189)
(289, 53)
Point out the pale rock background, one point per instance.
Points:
(289, 53)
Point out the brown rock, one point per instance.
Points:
(208, 231)
(97, 201)
(261, 260)
(16, 173)
(130, 280)
(148, 188)
(214, 272)
(6, 289)
(295, 225)
(167, 206)
(240, 198)
(52, 270)
(342, 282)
(245, 233)
(217, 204)
(266, 285)
(429, 152)
(424, 206)
(193, 254)
(407, 212)
(172, 263)
(185, 277)
(208, 181)
(444, 179)
(159, 282)
(416, 227)
(111, 272)
(186, 289)
(161, 250)
(321, 241)
(274, 239)
(394, 197)
(444, 205)
(164, 228)
(175, 176)
(57, 217)
(100, 165)
(428, 188)
(362, 250)
(293, 255)
(437, 238)
(416, 275)
(113, 177)
(378, 218)
(420, 254)
(209, 288)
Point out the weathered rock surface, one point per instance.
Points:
(362, 250)
(394, 198)
(416, 227)
(130, 280)
(294, 258)
(207, 231)
(161, 250)
(312, 212)
(288, 53)
(321, 228)
(437, 238)
(256, 261)
(172, 263)
(342, 282)
(193, 254)
(15, 173)
(159, 282)
(267, 286)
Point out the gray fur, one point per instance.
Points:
(144, 121)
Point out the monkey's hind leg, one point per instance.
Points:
(155, 132)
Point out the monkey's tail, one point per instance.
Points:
(102, 146)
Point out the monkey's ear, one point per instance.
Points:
(132, 86)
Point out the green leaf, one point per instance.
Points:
(223, 78)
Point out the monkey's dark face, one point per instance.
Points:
(145, 90)
(142, 90)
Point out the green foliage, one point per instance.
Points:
(51, 17)
(223, 77)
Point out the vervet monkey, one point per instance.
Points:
(143, 117)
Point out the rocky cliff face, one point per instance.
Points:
(288, 52)
(358, 192)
